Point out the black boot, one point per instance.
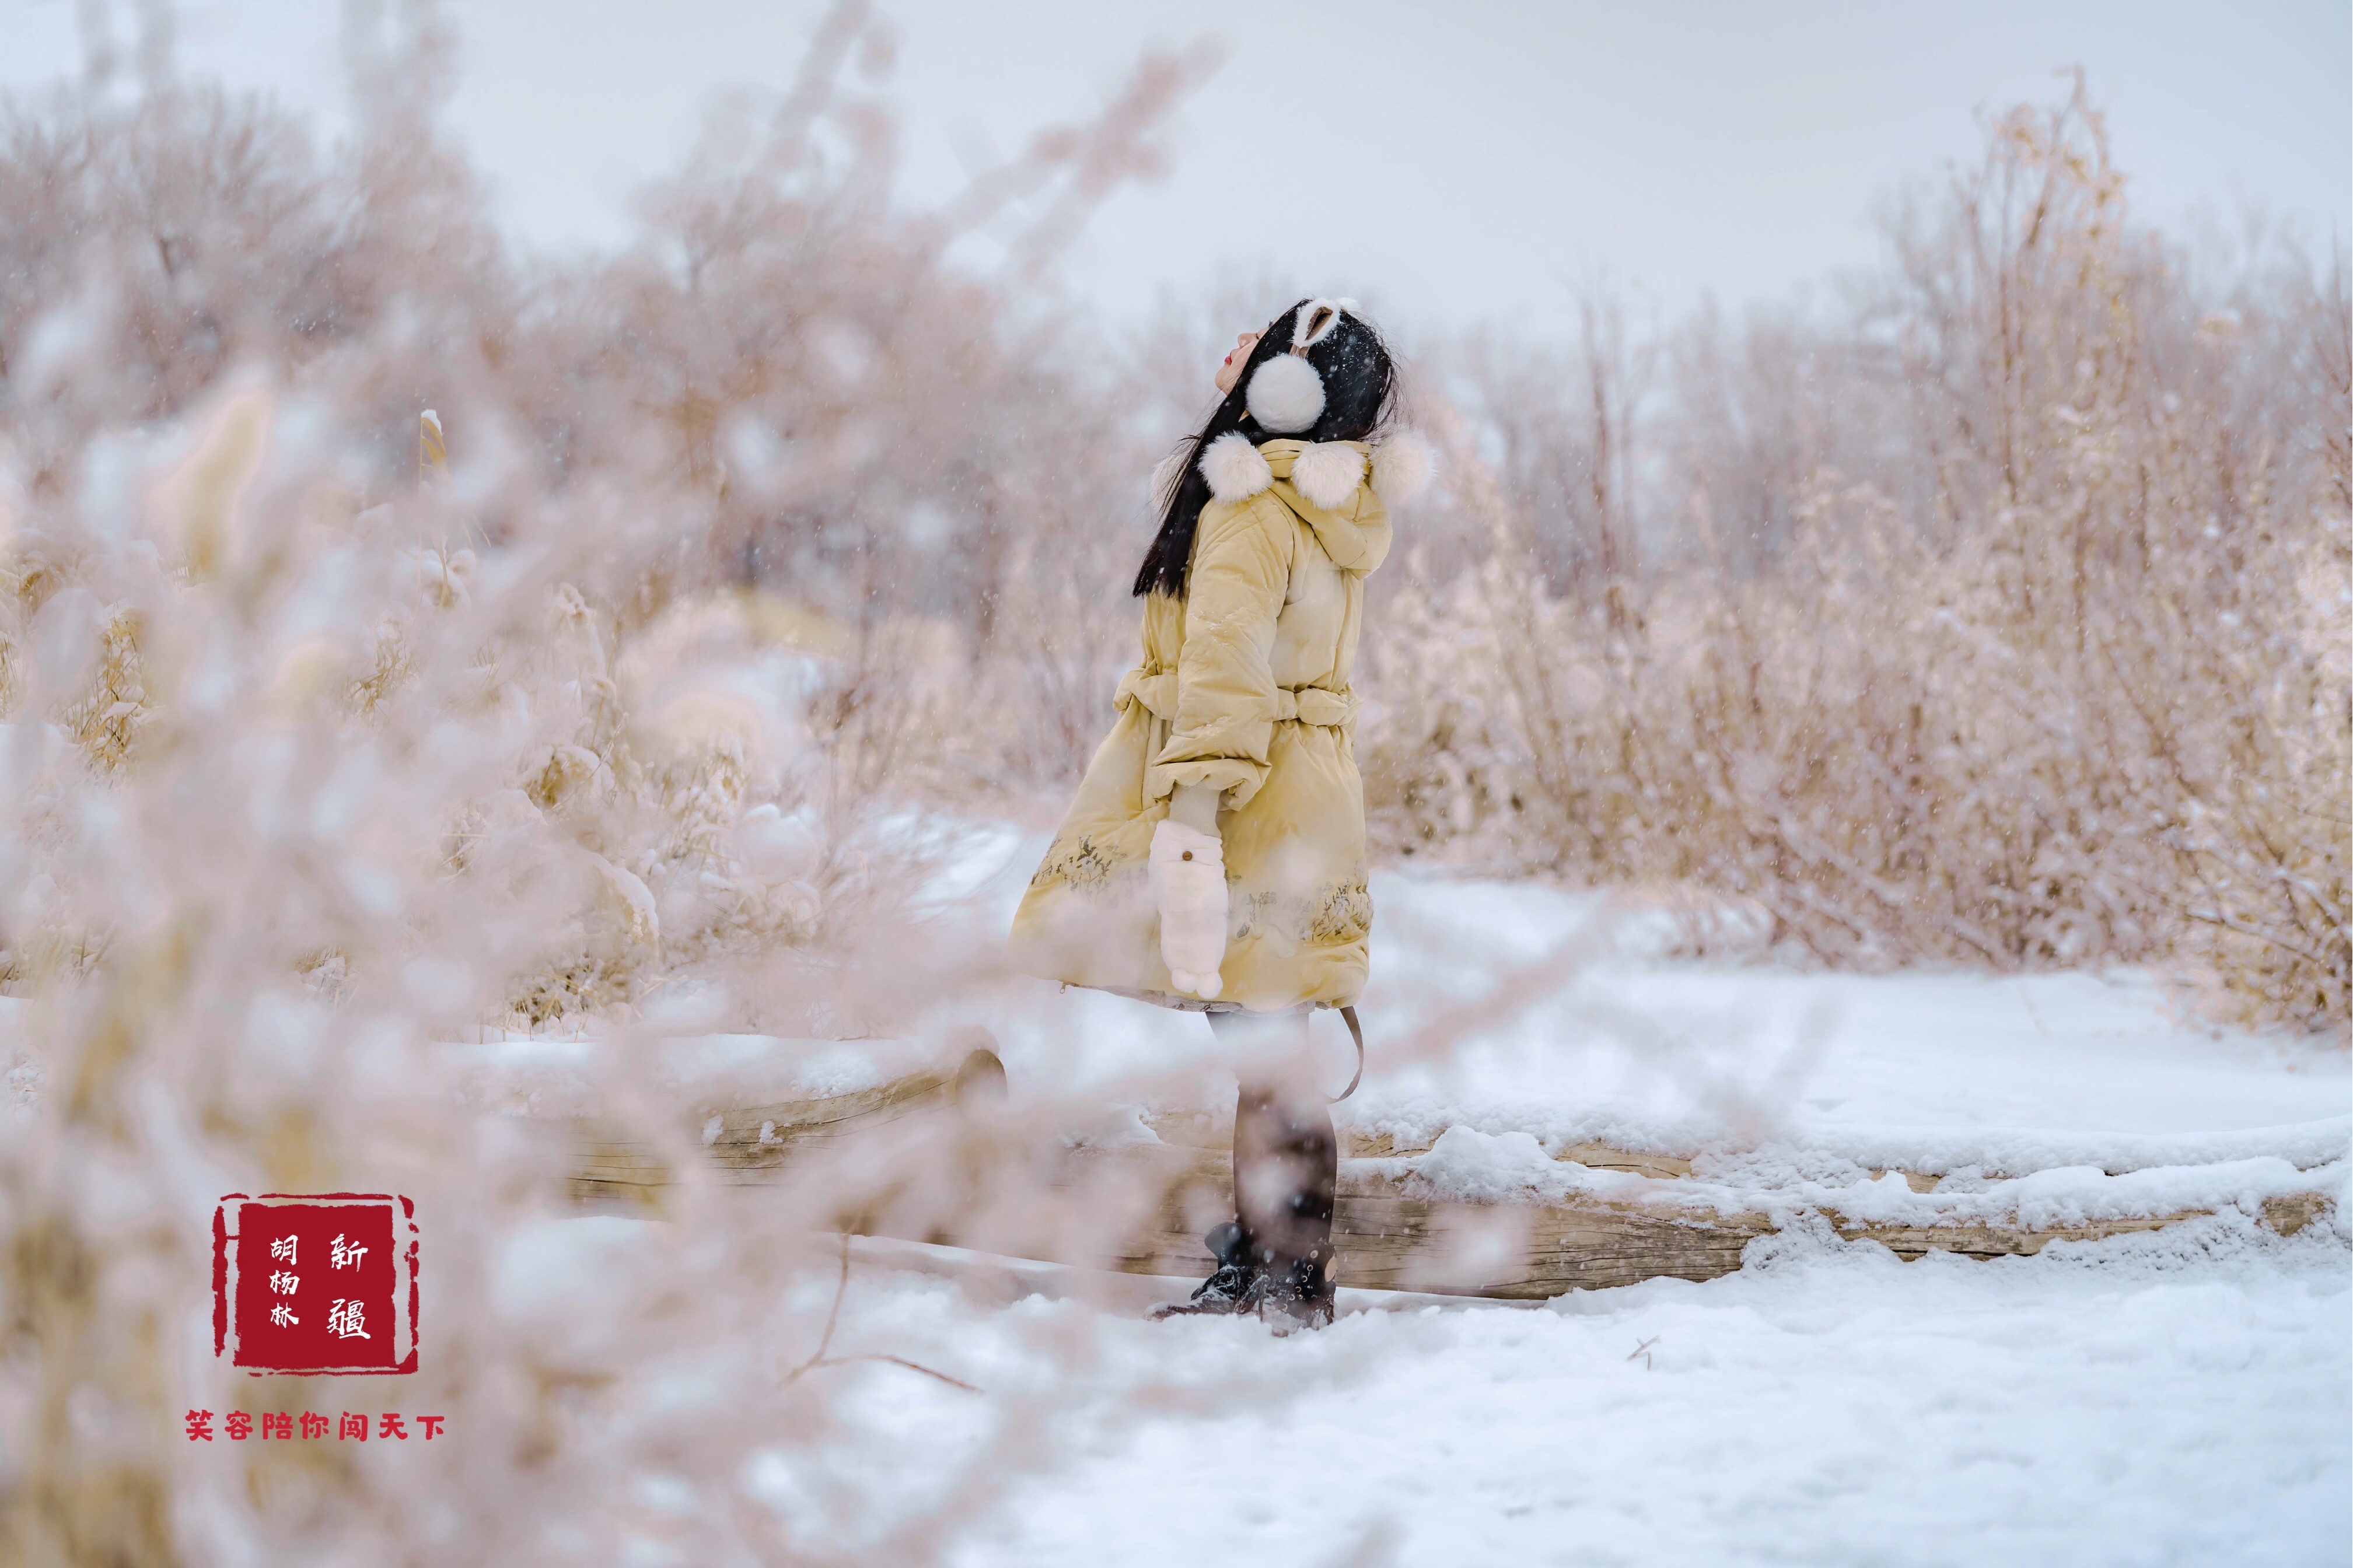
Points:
(1234, 1282)
(1286, 1175)
(1298, 1296)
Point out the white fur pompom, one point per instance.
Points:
(1234, 469)
(1327, 472)
(1401, 467)
(1286, 396)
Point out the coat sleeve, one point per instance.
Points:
(1225, 676)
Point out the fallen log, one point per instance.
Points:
(747, 1143)
(936, 1157)
(1389, 1239)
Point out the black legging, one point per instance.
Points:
(1286, 1156)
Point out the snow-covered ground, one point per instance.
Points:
(2178, 1396)
(2154, 1399)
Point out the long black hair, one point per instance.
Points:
(1360, 385)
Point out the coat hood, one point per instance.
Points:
(1339, 488)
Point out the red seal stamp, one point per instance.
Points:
(318, 1283)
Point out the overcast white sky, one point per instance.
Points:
(1454, 160)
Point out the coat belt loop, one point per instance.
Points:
(1355, 1032)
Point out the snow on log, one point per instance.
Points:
(936, 1156)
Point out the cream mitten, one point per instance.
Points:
(1187, 873)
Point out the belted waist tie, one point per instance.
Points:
(1157, 692)
(1314, 705)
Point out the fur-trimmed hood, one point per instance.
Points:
(1326, 473)
(1323, 483)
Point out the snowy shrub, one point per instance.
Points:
(2001, 621)
(342, 743)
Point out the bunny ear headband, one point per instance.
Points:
(1286, 396)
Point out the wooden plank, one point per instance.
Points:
(1909, 1242)
(2288, 1213)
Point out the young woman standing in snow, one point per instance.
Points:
(1214, 859)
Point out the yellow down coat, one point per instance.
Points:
(1243, 685)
